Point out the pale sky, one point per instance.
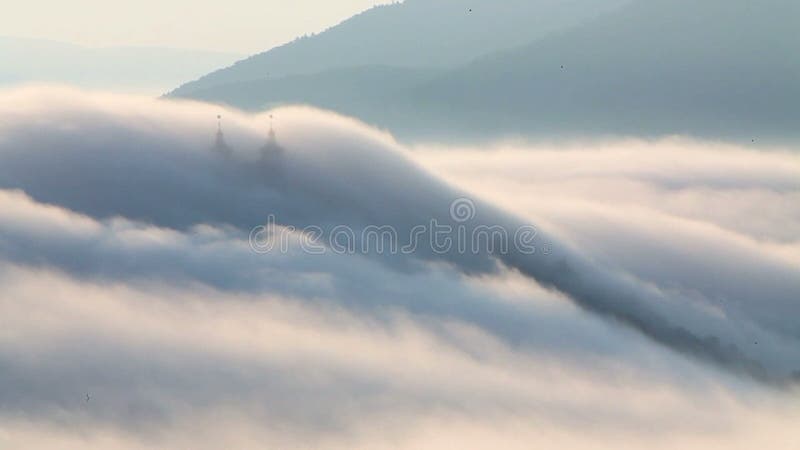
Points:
(242, 26)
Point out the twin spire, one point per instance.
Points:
(270, 151)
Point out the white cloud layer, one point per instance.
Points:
(127, 274)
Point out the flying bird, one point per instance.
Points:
(88, 397)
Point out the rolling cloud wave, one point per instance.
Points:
(122, 204)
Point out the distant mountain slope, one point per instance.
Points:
(413, 34)
(656, 66)
(147, 69)
(715, 68)
(333, 89)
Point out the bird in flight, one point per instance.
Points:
(88, 397)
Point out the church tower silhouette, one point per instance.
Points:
(220, 146)
(272, 159)
(271, 152)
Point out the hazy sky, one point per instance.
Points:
(243, 26)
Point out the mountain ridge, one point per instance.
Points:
(445, 33)
(651, 68)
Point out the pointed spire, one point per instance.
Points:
(271, 150)
(271, 162)
(220, 146)
(271, 130)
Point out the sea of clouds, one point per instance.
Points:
(659, 307)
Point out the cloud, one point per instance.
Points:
(127, 272)
(172, 367)
(709, 211)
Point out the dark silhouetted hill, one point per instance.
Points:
(716, 68)
(412, 34)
